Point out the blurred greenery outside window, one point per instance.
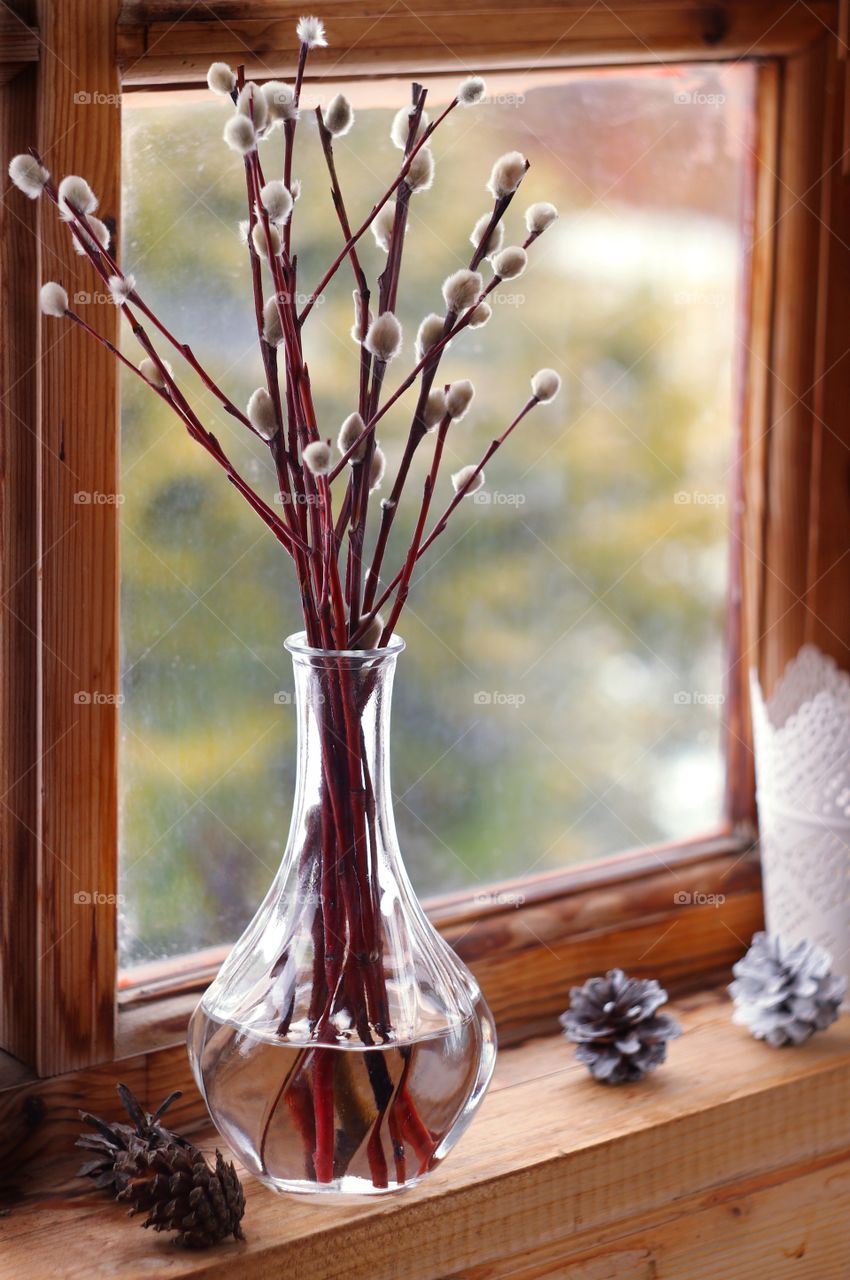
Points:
(561, 694)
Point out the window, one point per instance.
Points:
(561, 696)
(776, 160)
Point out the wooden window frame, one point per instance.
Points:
(59, 563)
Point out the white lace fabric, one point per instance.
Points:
(802, 747)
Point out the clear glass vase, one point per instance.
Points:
(343, 1047)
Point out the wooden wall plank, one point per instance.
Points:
(78, 132)
(18, 585)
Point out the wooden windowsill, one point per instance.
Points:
(734, 1160)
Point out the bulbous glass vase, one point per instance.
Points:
(343, 1047)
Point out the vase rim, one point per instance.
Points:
(297, 645)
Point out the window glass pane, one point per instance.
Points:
(560, 696)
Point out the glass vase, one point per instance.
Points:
(343, 1047)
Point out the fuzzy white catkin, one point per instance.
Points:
(382, 226)
(276, 201)
(121, 287)
(459, 397)
(358, 333)
(384, 337)
(400, 128)
(75, 191)
(545, 385)
(317, 457)
(252, 103)
(507, 173)
(280, 101)
(372, 635)
(540, 216)
(339, 116)
(260, 411)
(429, 333)
(151, 372)
(99, 238)
(221, 79)
(510, 263)
(311, 31)
(471, 90)
(435, 409)
(261, 243)
(377, 467)
(53, 299)
(480, 315)
(462, 289)
(240, 135)
(351, 428)
(463, 478)
(420, 175)
(272, 330)
(28, 175)
(495, 239)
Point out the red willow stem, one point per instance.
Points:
(417, 426)
(413, 550)
(372, 215)
(412, 376)
(456, 500)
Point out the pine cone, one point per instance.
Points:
(179, 1192)
(111, 1140)
(785, 992)
(614, 1022)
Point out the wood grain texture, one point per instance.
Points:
(734, 1160)
(162, 41)
(79, 132)
(18, 587)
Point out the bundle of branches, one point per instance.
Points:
(324, 499)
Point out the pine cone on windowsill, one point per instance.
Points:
(615, 1023)
(160, 1174)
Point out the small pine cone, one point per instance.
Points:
(179, 1192)
(615, 1023)
(114, 1140)
(785, 992)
